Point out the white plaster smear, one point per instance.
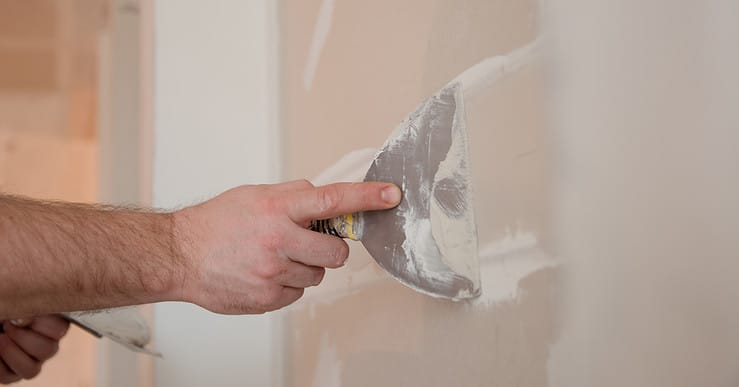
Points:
(504, 263)
(488, 71)
(353, 165)
(320, 34)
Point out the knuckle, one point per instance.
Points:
(272, 204)
(271, 240)
(329, 198)
(271, 269)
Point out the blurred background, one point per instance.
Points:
(49, 74)
(77, 124)
(604, 171)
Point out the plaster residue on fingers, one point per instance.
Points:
(320, 34)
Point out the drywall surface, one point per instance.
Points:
(376, 63)
(647, 204)
(605, 184)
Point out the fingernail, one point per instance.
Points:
(19, 322)
(390, 194)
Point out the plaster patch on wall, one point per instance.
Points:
(320, 34)
(504, 263)
(485, 73)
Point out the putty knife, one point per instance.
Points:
(125, 326)
(429, 241)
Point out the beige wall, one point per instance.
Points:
(646, 121)
(605, 181)
(380, 59)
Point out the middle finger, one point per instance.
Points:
(315, 249)
(298, 275)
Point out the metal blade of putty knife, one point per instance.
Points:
(125, 326)
(429, 241)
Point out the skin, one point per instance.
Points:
(246, 251)
(26, 344)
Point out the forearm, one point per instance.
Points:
(57, 257)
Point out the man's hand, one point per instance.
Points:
(249, 250)
(245, 251)
(26, 345)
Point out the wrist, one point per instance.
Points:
(184, 243)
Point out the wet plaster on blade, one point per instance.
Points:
(453, 222)
(440, 239)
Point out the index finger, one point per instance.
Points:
(337, 199)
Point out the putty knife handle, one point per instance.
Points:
(344, 226)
